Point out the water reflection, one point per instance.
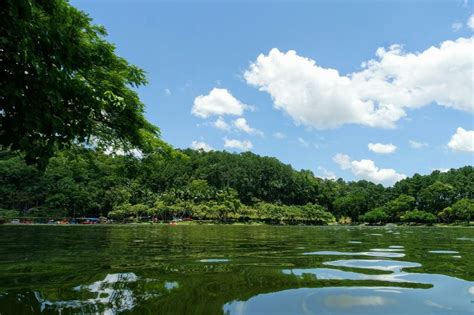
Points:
(116, 293)
(443, 252)
(112, 292)
(214, 260)
(386, 265)
(138, 269)
(349, 301)
(373, 253)
(420, 293)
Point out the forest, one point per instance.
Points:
(220, 187)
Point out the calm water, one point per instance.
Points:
(236, 270)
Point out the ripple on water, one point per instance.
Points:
(214, 260)
(387, 249)
(443, 251)
(371, 254)
(436, 297)
(355, 242)
(360, 300)
(396, 246)
(380, 264)
(336, 274)
(465, 238)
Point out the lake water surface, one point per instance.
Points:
(152, 269)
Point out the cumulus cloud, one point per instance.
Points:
(303, 142)
(382, 148)
(441, 169)
(279, 135)
(366, 169)
(462, 140)
(199, 145)
(376, 96)
(417, 145)
(242, 125)
(218, 102)
(470, 22)
(456, 26)
(326, 174)
(244, 145)
(221, 124)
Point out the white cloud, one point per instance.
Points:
(221, 124)
(199, 145)
(218, 102)
(470, 22)
(417, 145)
(115, 151)
(279, 135)
(244, 145)
(382, 148)
(456, 26)
(366, 169)
(376, 96)
(167, 92)
(442, 170)
(303, 142)
(242, 125)
(326, 174)
(462, 140)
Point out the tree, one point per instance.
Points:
(397, 207)
(351, 205)
(375, 216)
(62, 82)
(436, 197)
(199, 190)
(447, 215)
(418, 216)
(464, 209)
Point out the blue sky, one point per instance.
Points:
(325, 119)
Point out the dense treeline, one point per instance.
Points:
(221, 186)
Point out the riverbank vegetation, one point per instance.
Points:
(221, 187)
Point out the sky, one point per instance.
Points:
(375, 90)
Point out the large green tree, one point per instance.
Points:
(62, 82)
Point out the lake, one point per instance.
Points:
(156, 269)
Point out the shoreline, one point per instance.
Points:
(210, 223)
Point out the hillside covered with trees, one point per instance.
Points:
(221, 187)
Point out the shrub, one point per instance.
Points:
(417, 216)
(8, 214)
(464, 209)
(377, 215)
(447, 215)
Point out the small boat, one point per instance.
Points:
(90, 221)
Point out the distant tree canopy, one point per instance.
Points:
(61, 82)
(221, 186)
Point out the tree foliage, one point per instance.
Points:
(418, 216)
(219, 186)
(375, 216)
(62, 82)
